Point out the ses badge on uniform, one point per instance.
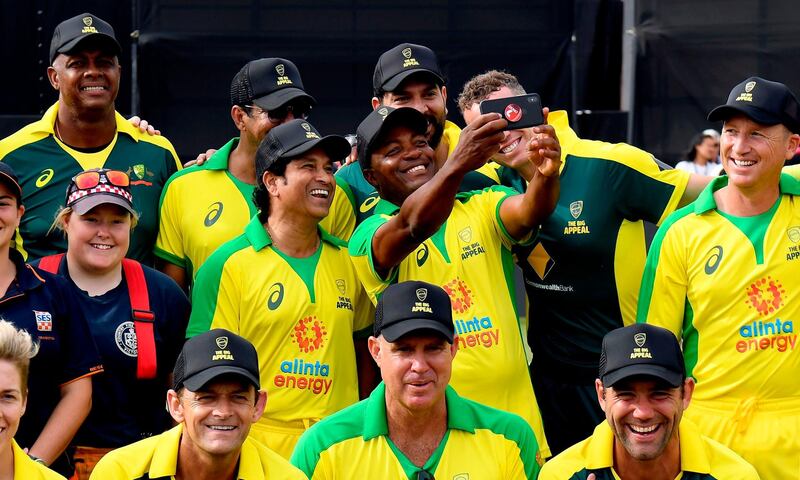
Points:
(44, 321)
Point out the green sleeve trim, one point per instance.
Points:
(345, 187)
(206, 286)
(166, 256)
(690, 339)
(361, 244)
(305, 268)
(651, 265)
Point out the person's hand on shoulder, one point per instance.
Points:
(201, 159)
(144, 126)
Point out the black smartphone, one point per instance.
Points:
(521, 112)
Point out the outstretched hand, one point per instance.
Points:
(544, 150)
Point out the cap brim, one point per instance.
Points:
(671, 377)
(200, 379)
(335, 146)
(394, 82)
(405, 116)
(724, 112)
(84, 204)
(397, 330)
(95, 37)
(6, 178)
(281, 97)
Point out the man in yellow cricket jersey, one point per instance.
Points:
(206, 205)
(215, 399)
(643, 390)
(290, 287)
(414, 425)
(722, 276)
(424, 229)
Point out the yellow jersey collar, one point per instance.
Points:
(452, 132)
(705, 201)
(45, 124)
(258, 237)
(694, 456)
(165, 455)
(459, 416)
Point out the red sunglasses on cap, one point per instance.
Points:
(92, 178)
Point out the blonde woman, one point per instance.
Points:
(16, 350)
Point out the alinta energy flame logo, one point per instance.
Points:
(309, 334)
(460, 295)
(765, 295)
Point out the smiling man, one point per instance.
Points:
(722, 275)
(414, 425)
(215, 399)
(290, 287)
(643, 391)
(424, 229)
(83, 131)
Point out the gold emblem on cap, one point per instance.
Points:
(280, 69)
(222, 342)
(407, 52)
(87, 21)
(749, 86)
(383, 112)
(306, 127)
(640, 338)
(422, 294)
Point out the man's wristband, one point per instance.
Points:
(37, 459)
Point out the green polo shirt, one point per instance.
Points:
(480, 442)
(45, 167)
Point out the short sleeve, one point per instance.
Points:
(169, 242)
(360, 247)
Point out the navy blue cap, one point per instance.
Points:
(411, 306)
(764, 101)
(84, 27)
(641, 349)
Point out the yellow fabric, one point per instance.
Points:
(341, 221)
(304, 336)
(470, 258)
(26, 469)
(279, 439)
(764, 433)
(200, 210)
(699, 454)
(157, 457)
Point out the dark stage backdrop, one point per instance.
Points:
(188, 51)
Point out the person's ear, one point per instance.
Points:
(374, 347)
(444, 96)
(376, 102)
(237, 115)
(270, 183)
(688, 390)
(454, 347)
(601, 393)
(261, 404)
(52, 75)
(791, 148)
(174, 406)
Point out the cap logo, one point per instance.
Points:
(282, 80)
(422, 294)
(88, 28)
(306, 127)
(640, 338)
(409, 61)
(746, 96)
(222, 342)
(383, 112)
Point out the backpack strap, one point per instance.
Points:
(143, 319)
(51, 263)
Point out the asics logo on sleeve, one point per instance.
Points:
(714, 260)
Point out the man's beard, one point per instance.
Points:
(438, 131)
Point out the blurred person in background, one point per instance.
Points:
(701, 158)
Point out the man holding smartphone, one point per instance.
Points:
(582, 273)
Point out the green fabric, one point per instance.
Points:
(691, 339)
(305, 268)
(755, 228)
